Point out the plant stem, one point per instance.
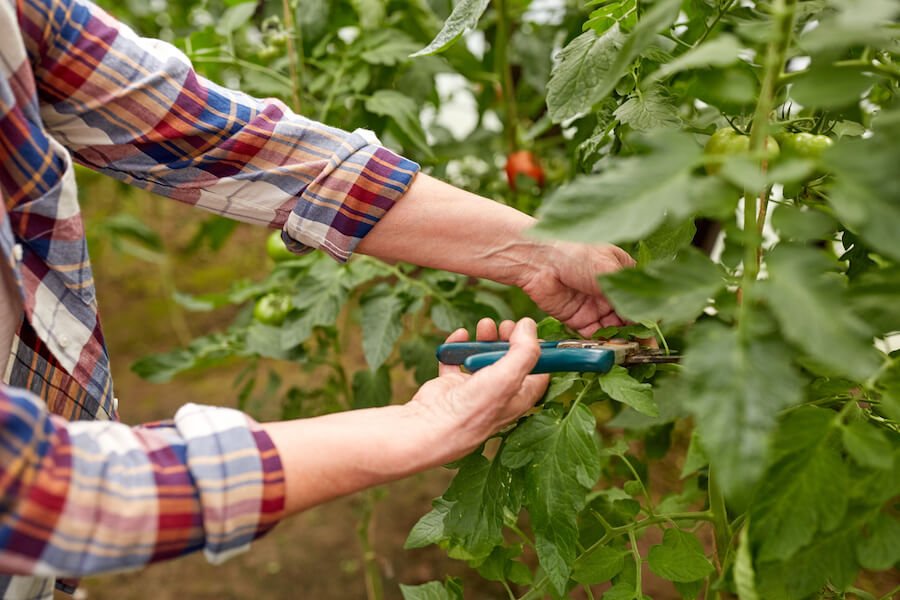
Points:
(508, 589)
(722, 12)
(719, 518)
(783, 23)
(329, 100)
(295, 63)
(374, 585)
(246, 64)
(857, 64)
(643, 488)
(587, 386)
(891, 594)
(504, 74)
(637, 564)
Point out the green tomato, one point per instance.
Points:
(806, 145)
(276, 249)
(728, 142)
(272, 309)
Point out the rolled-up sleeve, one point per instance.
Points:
(135, 109)
(93, 497)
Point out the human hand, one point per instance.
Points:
(472, 407)
(562, 280)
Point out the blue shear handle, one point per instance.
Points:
(554, 360)
(455, 353)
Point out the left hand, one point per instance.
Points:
(468, 408)
(562, 280)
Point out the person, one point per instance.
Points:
(84, 494)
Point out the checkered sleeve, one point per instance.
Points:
(90, 497)
(135, 109)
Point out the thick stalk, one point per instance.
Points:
(504, 72)
(783, 23)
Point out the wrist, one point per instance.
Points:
(444, 436)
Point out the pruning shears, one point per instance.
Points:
(565, 355)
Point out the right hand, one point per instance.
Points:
(472, 407)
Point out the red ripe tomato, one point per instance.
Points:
(523, 162)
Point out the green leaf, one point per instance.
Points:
(881, 549)
(381, 327)
(464, 17)
(862, 195)
(728, 388)
(371, 12)
(803, 492)
(502, 566)
(744, 576)
(690, 590)
(446, 317)
(853, 22)
(620, 591)
(582, 64)
(621, 387)
(721, 52)
(130, 227)
(202, 351)
(598, 565)
(430, 528)
(418, 354)
(404, 112)
(696, 457)
(867, 445)
(647, 110)
(560, 384)
(679, 558)
(829, 558)
(433, 590)
(391, 47)
(561, 453)
(660, 16)
(635, 195)
(478, 496)
(610, 13)
(811, 310)
(265, 340)
(827, 87)
(235, 17)
(666, 242)
(371, 388)
(674, 292)
(793, 222)
(875, 297)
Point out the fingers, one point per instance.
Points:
(460, 335)
(486, 330)
(506, 329)
(505, 377)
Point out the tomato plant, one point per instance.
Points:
(781, 423)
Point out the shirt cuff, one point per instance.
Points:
(238, 475)
(360, 183)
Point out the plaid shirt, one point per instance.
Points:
(81, 498)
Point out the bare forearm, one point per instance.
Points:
(335, 455)
(440, 226)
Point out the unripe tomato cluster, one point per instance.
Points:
(728, 142)
(805, 145)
